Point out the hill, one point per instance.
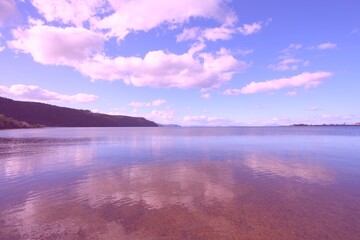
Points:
(9, 123)
(54, 116)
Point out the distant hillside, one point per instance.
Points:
(54, 116)
(168, 125)
(9, 123)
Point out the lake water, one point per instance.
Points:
(180, 183)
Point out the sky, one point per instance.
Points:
(189, 62)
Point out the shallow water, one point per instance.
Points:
(180, 183)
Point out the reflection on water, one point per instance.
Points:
(305, 171)
(159, 185)
(23, 157)
(179, 184)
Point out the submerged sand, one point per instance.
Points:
(187, 200)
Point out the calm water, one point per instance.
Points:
(180, 183)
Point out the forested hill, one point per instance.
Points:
(54, 116)
(9, 123)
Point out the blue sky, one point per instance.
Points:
(215, 62)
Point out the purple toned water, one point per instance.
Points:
(180, 183)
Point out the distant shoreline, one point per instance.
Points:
(325, 125)
(20, 114)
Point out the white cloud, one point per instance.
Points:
(314, 108)
(119, 18)
(244, 52)
(206, 120)
(306, 79)
(164, 69)
(114, 111)
(224, 32)
(287, 60)
(248, 29)
(8, 11)
(188, 34)
(288, 63)
(291, 48)
(30, 92)
(155, 103)
(58, 46)
(326, 46)
(82, 49)
(331, 117)
(166, 116)
(79, 42)
(2, 48)
(143, 15)
(291, 93)
(206, 95)
(327, 119)
(69, 11)
(218, 33)
(310, 119)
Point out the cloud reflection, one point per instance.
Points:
(69, 210)
(160, 185)
(24, 160)
(308, 171)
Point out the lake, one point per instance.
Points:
(180, 183)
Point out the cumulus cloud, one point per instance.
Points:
(306, 79)
(119, 18)
(155, 103)
(143, 15)
(248, 29)
(69, 11)
(162, 116)
(224, 32)
(30, 92)
(188, 34)
(82, 49)
(73, 33)
(164, 69)
(8, 11)
(218, 33)
(55, 45)
(326, 46)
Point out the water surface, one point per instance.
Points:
(180, 183)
